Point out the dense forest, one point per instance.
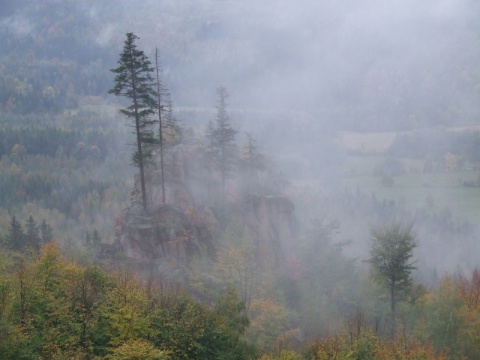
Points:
(239, 180)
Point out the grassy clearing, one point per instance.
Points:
(435, 192)
(366, 142)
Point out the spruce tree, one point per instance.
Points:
(15, 239)
(134, 80)
(32, 236)
(96, 240)
(46, 233)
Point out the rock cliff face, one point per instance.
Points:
(163, 232)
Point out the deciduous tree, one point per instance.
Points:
(391, 260)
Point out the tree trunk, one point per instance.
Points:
(393, 309)
(139, 140)
(159, 95)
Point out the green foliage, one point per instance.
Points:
(190, 330)
(391, 253)
(53, 141)
(36, 73)
(453, 316)
(126, 310)
(15, 238)
(328, 287)
(390, 257)
(32, 234)
(31, 239)
(137, 350)
(53, 308)
(369, 347)
(283, 355)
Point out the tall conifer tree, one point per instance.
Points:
(134, 80)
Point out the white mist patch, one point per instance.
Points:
(18, 24)
(106, 34)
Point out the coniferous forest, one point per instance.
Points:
(239, 180)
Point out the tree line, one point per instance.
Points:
(30, 236)
(52, 307)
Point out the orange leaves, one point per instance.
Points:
(369, 346)
(469, 289)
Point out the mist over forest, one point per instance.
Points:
(296, 137)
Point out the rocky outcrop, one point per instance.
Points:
(182, 227)
(163, 232)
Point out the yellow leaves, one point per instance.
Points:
(392, 350)
(370, 347)
(329, 348)
(454, 315)
(49, 263)
(282, 355)
(58, 309)
(469, 289)
(268, 320)
(127, 305)
(137, 350)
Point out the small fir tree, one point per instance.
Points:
(32, 235)
(96, 239)
(15, 239)
(46, 233)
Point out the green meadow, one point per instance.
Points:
(409, 182)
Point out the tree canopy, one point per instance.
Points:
(391, 259)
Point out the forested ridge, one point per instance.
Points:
(274, 182)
